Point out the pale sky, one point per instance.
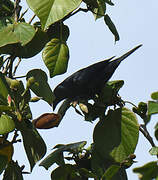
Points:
(90, 42)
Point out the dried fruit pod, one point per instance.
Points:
(47, 121)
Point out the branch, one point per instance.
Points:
(146, 134)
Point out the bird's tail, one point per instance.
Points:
(127, 54)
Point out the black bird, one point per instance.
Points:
(89, 81)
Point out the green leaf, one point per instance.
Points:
(112, 27)
(154, 95)
(32, 48)
(40, 85)
(129, 136)
(109, 126)
(57, 155)
(55, 56)
(109, 94)
(156, 131)
(110, 172)
(148, 171)
(6, 124)
(152, 107)
(64, 172)
(59, 31)
(4, 90)
(3, 164)
(33, 143)
(51, 11)
(123, 133)
(16, 33)
(154, 151)
(100, 10)
(13, 171)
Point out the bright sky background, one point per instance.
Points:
(92, 41)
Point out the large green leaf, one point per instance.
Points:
(51, 11)
(122, 132)
(148, 171)
(34, 145)
(16, 33)
(6, 124)
(40, 85)
(13, 172)
(129, 136)
(56, 56)
(108, 128)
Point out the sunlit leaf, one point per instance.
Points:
(152, 107)
(16, 33)
(6, 124)
(51, 11)
(154, 95)
(56, 56)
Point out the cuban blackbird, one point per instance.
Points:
(89, 81)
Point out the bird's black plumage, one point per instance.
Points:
(87, 82)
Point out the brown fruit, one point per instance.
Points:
(47, 121)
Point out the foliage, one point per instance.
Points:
(104, 159)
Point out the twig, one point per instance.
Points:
(22, 15)
(145, 132)
(32, 18)
(130, 103)
(19, 60)
(17, 10)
